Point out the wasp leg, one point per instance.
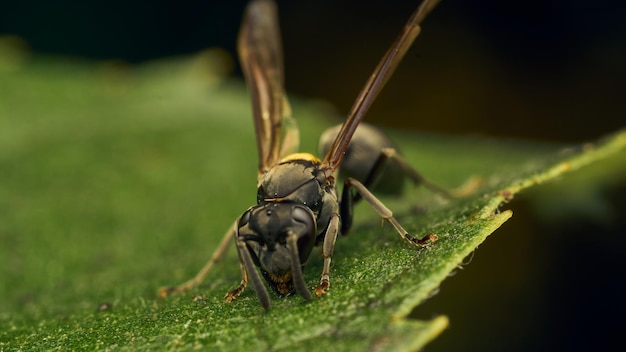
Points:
(469, 187)
(327, 252)
(231, 295)
(383, 211)
(346, 206)
(248, 269)
(197, 280)
(416, 177)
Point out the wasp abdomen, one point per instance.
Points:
(361, 157)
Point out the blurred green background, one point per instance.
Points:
(552, 71)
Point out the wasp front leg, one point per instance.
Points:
(248, 271)
(327, 252)
(231, 295)
(380, 208)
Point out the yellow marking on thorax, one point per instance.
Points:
(300, 156)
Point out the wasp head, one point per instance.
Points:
(279, 238)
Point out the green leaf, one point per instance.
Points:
(115, 181)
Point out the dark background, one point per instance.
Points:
(550, 70)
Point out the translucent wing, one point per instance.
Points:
(377, 80)
(260, 53)
(291, 133)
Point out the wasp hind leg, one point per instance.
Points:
(197, 280)
(388, 154)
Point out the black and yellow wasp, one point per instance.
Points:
(297, 202)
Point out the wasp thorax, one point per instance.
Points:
(295, 181)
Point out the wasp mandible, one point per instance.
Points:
(297, 200)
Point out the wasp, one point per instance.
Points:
(298, 206)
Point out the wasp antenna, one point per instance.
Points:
(296, 269)
(255, 279)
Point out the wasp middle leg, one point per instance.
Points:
(199, 278)
(347, 205)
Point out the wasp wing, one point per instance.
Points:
(291, 133)
(260, 54)
(375, 83)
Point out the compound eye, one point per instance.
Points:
(306, 237)
(301, 215)
(245, 218)
(304, 216)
